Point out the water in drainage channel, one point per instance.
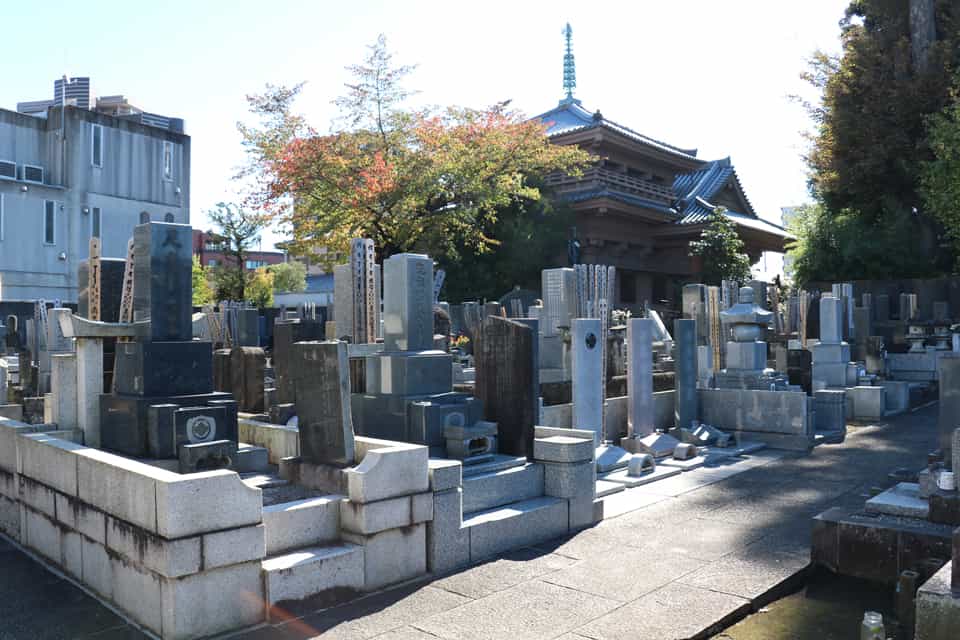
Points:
(828, 607)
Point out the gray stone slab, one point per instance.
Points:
(512, 569)
(625, 574)
(902, 500)
(322, 382)
(605, 488)
(408, 302)
(674, 612)
(629, 481)
(563, 449)
(685, 465)
(520, 524)
(610, 457)
(749, 574)
(497, 463)
(510, 614)
(489, 490)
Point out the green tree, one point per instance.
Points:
(721, 250)
(429, 180)
(202, 292)
(238, 229)
(941, 176)
(259, 288)
(289, 276)
(869, 142)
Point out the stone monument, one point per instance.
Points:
(163, 367)
(746, 353)
(831, 356)
(325, 425)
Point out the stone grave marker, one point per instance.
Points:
(323, 403)
(408, 303)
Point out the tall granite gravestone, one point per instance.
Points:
(508, 381)
(587, 355)
(832, 355)
(409, 385)
(163, 365)
(323, 403)
(356, 286)
(640, 407)
(685, 399)
(285, 334)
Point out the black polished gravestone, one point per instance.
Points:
(111, 288)
(325, 423)
(162, 281)
(163, 365)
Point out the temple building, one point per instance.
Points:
(643, 202)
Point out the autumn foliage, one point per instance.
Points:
(430, 180)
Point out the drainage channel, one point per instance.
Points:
(825, 607)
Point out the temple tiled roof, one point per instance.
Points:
(694, 191)
(570, 116)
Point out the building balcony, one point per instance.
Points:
(599, 178)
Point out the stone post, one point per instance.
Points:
(63, 382)
(640, 410)
(587, 376)
(685, 399)
(955, 571)
(948, 375)
(89, 388)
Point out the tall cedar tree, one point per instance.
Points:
(870, 143)
(238, 228)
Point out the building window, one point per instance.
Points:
(1, 223)
(254, 264)
(628, 287)
(95, 222)
(32, 173)
(96, 145)
(211, 262)
(167, 160)
(49, 222)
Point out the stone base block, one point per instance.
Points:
(659, 445)
(520, 525)
(624, 478)
(585, 511)
(750, 356)
(938, 610)
(392, 556)
(303, 523)
(212, 602)
(563, 449)
(249, 458)
(313, 571)
(373, 517)
(569, 480)
(830, 374)
(868, 402)
(831, 353)
(448, 544)
(409, 373)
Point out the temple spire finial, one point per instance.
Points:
(569, 66)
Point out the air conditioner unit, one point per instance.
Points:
(8, 170)
(32, 173)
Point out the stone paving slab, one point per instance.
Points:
(532, 610)
(674, 612)
(504, 573)
(625, 574)
(748, 574)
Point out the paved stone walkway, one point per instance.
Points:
(687, 556)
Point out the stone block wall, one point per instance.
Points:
(561, 415)
(179, 554)
(781, 419)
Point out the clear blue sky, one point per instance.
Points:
(706, 74)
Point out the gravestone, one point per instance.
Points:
(408, 303)
(508, 381)
(285, 334)
(587, 355)
(948, 375)
(695, 307)
(640, 404)
(559, 299)
(832, 354)
(246, 368)
(323, 403)
(163, 365)
(685, 403)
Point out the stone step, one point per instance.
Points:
(607, 487)
(498, 488)
(515, 525)
(312, 571)
(497, 463)
(301, 523)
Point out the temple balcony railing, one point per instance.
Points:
(598, 178)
